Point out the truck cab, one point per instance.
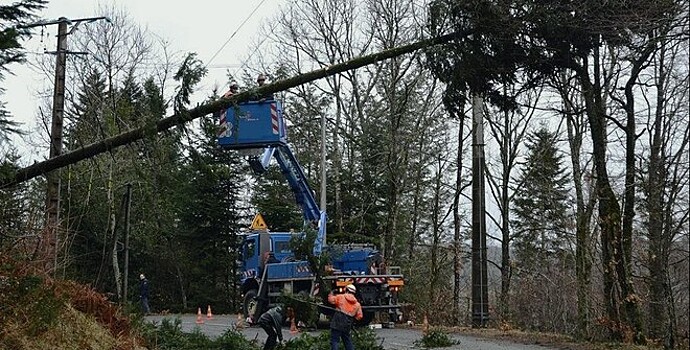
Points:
(257, 249)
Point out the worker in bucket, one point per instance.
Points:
(272, 323)
(261, 81)
(347, 311)
(234, 89)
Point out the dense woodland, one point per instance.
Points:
(586, 144)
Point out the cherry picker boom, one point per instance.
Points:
(269, 267)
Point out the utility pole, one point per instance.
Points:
(52, 226)
(48, 246)
(323, 169)
(480, 293)
(128, 207)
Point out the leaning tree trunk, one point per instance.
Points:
(185, 116)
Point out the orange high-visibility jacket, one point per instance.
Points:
(347, 304)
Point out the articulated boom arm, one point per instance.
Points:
(294, 174)
(260, 124)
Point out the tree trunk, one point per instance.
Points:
(183, 117)
(506, 270)
(116, 266)
(616, 277)
(457, 237)
(655, 206)
(583, 214)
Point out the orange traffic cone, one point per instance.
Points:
(425, 325)
(209, 315)
(199, 320)
(293, 327)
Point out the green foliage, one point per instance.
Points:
(362, 339)
(274, 199)
(11, 17)
(529, 37)
(27, 298)
(15, 202)
(233, 340)
(11, 50)
(169, 336)
(190, 73)
(436, 338)
(541, 203)
(212, 211)
(304, 306)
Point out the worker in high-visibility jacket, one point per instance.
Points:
(348, 309)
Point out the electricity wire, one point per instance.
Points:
(235, 32)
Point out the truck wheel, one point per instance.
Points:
(368, 317)
(250, 303)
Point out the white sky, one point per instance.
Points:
(200, 26)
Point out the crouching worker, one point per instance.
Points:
(348, 309)
(272, 322)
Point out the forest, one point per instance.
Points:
(585, 129)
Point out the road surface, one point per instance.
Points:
(398, 338)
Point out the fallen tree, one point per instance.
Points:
(182, 117)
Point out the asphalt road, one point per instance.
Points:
(397, 338)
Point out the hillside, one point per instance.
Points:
(38, 312)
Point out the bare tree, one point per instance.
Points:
(376, 113)
(508, 129)
(585, 199)
(665, 177)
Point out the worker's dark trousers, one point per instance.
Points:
(336, 335)
(272, 336)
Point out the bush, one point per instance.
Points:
(362, 339)
(169, 336)
(436, 338)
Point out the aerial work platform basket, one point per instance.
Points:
(254, 124)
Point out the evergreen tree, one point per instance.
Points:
(274, 199)
(12, 17)
(213, 210)
(87, 113)
(541, 203)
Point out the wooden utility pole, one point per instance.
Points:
(480, 293)
(48, 246)
(323, 169)
(128, 207)
(50, 238)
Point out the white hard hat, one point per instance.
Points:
(351, 288)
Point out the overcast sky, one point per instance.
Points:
(200, 26)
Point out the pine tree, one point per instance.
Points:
(11, 50)
(541, 202)
(87, 113)
(212, 210)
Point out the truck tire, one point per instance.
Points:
(250, 303)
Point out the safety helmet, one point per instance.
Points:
(351, 288)
(261, 77)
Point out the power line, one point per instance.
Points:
(235, 32)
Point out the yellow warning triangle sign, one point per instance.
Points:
(259, 224)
